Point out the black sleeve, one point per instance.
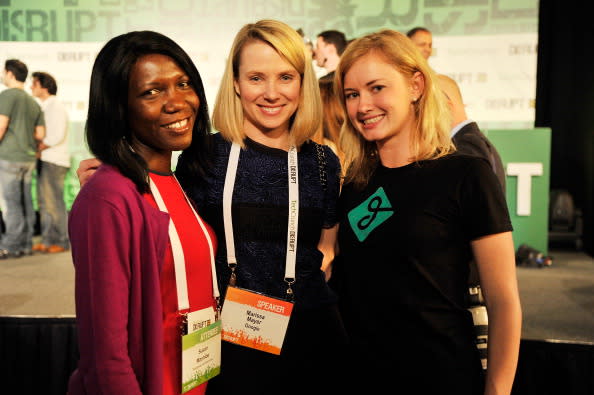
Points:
(478, 145)
(483, 204)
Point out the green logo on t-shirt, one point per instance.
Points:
(370, 214)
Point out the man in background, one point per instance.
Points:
(22, 127)
(330, 45)
(53, 164)
(423, 39)
(466, 135)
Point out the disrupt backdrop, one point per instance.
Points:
(488, 46)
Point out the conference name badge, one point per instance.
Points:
(201, 349)
(254, 320)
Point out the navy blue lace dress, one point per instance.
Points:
(315, 338)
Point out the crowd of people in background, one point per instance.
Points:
(366, 198)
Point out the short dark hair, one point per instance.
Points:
(46, 81)
(17, 68)
(107, 130)
(414, 31)
(336, 38)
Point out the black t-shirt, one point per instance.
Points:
(403, 267)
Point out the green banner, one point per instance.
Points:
(526, 153)
(97, 20)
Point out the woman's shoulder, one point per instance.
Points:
(111, 197)
(218, 140)
(216, 137)
(108, 176)
(220, 146)
(459, 168)
(108, 184)
(457, 160)
(472, 163)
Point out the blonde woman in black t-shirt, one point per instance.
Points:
(412, 215)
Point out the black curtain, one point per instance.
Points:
(37, 354)
(565, 100)
(554, 368)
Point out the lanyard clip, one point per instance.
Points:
(290, 294)
(184, 323)
(218, 308)
(233, 278)
(232, 264)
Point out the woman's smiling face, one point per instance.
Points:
(269, 88)
(162, 107)
(379, 99)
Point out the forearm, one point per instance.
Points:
(39, 133)
(327, 265)
(505, 323)
(327, 245)
(494, 255)
(329, 254)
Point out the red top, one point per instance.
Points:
(198, 273)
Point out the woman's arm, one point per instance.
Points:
(327, 245)
(495, 258)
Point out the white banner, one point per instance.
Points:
(496, 74)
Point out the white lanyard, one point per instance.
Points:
(179, 260)
(292, 231)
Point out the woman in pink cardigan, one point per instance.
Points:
(146, 100)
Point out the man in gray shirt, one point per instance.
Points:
(22, 126)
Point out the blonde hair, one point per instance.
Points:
(430, 138)
(333, 117)
(228, 114)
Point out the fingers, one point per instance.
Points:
(86, 168)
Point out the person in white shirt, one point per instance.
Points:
(54, 163)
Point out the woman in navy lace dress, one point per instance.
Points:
(269, 103)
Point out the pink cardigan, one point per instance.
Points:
(118, 244)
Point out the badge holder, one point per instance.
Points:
(255, 320)
(201, 348)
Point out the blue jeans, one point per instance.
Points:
(18, 213)
(52, 209)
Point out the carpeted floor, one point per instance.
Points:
(558, 301)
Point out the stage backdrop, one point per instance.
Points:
(526, 157)
(488, 46)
